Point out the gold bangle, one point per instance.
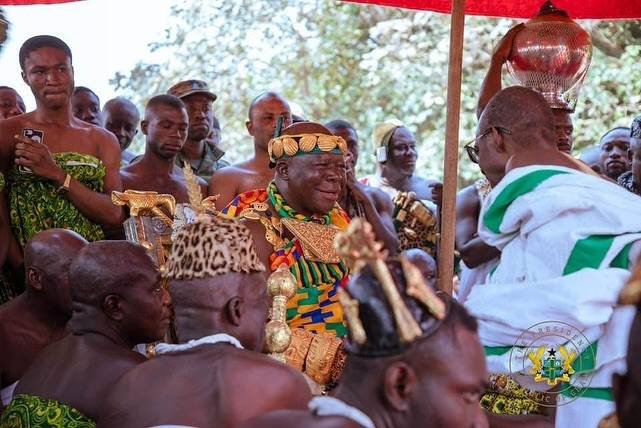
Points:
(65, 186)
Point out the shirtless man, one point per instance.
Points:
(38, 317)
(254, 173)
(359, 200)
(165, 128)
(75, 166)
(118, 301)
(218, 378)
(121, 118)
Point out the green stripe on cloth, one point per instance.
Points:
(622, 260)
(588, 253)
(586, 362)
(496, 350)
(596, 393)
(496, 212)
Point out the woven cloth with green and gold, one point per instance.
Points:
(28, 411)
(35, 204)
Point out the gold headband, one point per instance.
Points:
(286, 145)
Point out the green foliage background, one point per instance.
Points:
(363, 64)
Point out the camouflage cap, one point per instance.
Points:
(190, 87)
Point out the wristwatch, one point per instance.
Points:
(65, 186)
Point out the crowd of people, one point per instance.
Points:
(96, 329)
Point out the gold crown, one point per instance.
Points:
(287, 145)
(358, 247)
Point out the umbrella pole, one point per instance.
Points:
(450, 161)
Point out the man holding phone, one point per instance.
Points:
(59, 171)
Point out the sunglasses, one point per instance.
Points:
(471, 148)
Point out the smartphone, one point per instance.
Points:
(34, 135)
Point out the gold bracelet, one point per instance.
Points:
(65, 186)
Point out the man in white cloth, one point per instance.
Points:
(215, 376)
(547, 316)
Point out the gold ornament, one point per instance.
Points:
(287, 145)
(281, 286)
(358, 245)
(146, 203)
(350, 309)
(316, 239)
(290, 145)
(307, 143)
(327, 143)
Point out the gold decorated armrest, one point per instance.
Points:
(319, 355)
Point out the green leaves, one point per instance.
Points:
(360, 63)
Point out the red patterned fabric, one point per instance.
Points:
(578, 9)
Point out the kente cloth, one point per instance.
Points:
(626, 180)
(35, 204)
(315, 305)
(567, 241)
(28, 411)
(332, 406)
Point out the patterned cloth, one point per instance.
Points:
(626, 180)
(27, 411)
(35, 205)
(210, 162)
(315, 305)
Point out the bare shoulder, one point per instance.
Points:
(381, 198)
(106, 141)
(467, 200)
(283, 380)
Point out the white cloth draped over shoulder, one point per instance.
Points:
(566, 241)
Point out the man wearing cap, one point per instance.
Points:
(294, 221)
(631, 180)
(165, 128)
(215, 375)
(414, 358)
(204, 157)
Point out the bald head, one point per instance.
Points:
(523, 112)
(109, 267)
(47, 257)
(49, 247)
(265, 97)
(233, 303)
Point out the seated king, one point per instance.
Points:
(293, 222)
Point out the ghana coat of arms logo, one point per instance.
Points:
(552, 365)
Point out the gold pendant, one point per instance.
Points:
(317, 240)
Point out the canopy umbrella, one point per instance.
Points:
(577, 9)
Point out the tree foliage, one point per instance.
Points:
(363, 64)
